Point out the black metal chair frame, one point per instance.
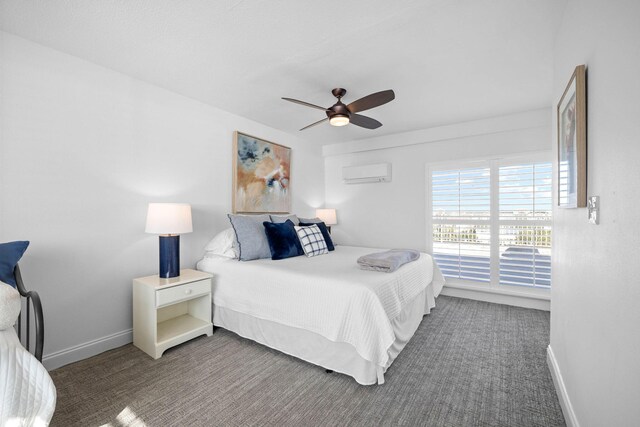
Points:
(24, 333)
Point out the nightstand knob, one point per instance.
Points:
(188, 291)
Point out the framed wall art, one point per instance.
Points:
(572, 142)
(261, 175)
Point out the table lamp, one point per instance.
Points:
(169, 220)
(328, 216)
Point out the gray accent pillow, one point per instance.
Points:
(278, 219)
(252, 240)
(310, 220)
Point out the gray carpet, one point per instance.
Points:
(470, 364)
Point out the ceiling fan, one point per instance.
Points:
(340, 114)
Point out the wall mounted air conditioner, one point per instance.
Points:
(379, 172)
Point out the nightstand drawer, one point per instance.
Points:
(182, 292)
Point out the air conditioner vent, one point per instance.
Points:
(379, 172)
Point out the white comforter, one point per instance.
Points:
(27, 394)
(327, 294)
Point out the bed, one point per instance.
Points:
(324, 309)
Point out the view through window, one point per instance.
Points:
(492, 222)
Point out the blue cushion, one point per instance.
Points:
(283, 240)
(325, 233)
(252, 240)
(10, 254)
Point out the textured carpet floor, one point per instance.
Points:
(470, 363)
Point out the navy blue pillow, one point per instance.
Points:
(10, 254)
(325, 233)
(283, 240)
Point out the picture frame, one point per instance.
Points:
(261, 175)
(572, 142)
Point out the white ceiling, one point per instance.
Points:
(447, 60)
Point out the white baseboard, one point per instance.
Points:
(82, 351)
(497, 298)
(561, 390)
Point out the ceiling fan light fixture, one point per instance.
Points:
(340, 114)
(339, 120)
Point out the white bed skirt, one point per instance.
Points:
(314, 348)
(27, 393)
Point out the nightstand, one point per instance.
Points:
(167, 312)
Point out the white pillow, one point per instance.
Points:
(9, 306)
(223, 244)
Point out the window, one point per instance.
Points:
(525, 224)
(491, 222)
(461, 222)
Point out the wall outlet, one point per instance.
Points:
(593, 206)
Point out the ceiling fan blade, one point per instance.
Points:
(371, 101)
(364, 121)
(304, 103)
(316, 123)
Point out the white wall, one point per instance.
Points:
(394, 214)
(83, 149)
(595, 319)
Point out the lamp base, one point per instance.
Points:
(169, 256)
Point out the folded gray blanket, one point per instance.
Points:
(387, 261)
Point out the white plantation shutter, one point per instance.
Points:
(461, 231)
(470, 225)
(525, 192)
(525, 224)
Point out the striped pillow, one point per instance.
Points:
(312, 240)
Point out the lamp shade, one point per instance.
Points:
(169, 218)
(328, 216)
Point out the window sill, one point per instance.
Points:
(539, 299)
(538, 293)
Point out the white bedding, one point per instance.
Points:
(328, 295)
(27, 394)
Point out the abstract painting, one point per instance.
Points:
(261, 175)
(572, 142)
